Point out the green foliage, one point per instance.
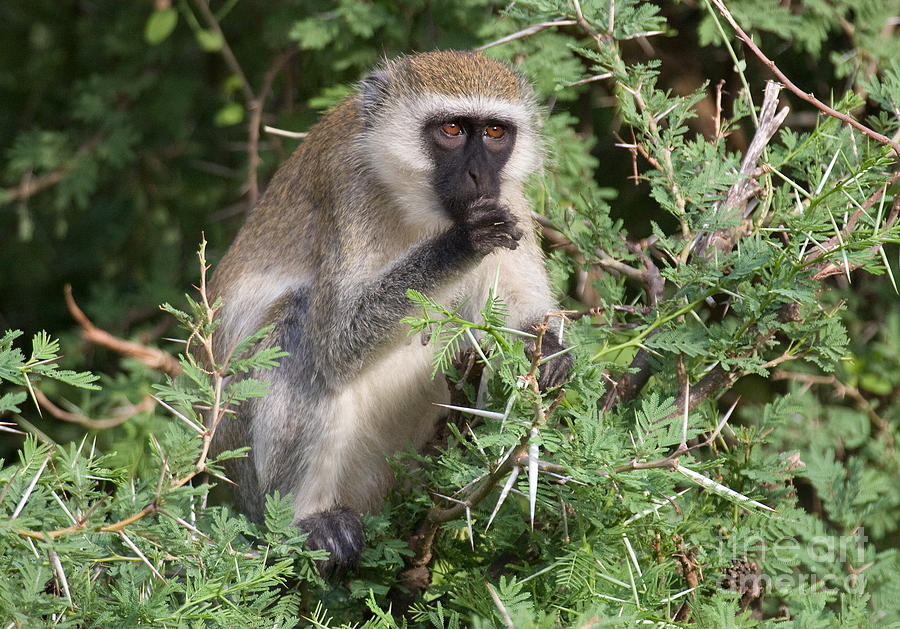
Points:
(86, 542)
(747, 482)
(16, 369)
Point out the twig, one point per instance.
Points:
(254, 102)
(671, 460)
(121, 416)
(256, 107)
(218, 411)
(651, 278)
(150, 356)
(526, 32)
(294, 135)
(32, 185)
(807, 96)
(600, 38)
(227, 53)
(667, 168)
(842, 390)
(828, 269)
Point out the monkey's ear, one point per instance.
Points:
(375, 90)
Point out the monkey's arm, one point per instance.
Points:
(373, 307)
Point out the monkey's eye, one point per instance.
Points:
(494, 131)
(452, 129)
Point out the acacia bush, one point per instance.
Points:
(725, 251)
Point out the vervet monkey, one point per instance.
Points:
(415, 181)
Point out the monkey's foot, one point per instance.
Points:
(554, 372)
(340, 532)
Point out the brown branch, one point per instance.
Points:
(630, 383)
(652, 280)
(809, 97)
(715, 380)
(150, 356)
(121, 416)
(227, 53)
(423, 539)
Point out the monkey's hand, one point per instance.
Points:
(555, 371)
(486, 225)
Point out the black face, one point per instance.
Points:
(469, 154)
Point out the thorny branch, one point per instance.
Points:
(256, 111)
(736, 200)
(827, 269)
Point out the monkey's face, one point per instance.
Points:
(468, 154)
(445, 128)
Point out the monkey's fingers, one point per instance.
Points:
(512, 235)
(484, 212)
(502, 234)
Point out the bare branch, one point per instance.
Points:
(257, 105)
(746, 187)
(227, 53)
